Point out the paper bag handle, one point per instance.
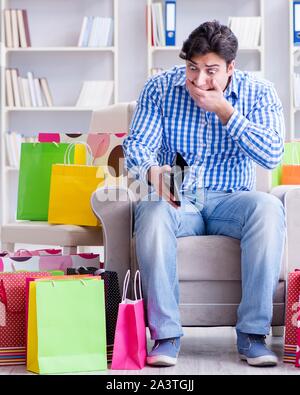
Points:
(90, 158)
(137, 279)
(125, 285)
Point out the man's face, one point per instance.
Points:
(201, 69)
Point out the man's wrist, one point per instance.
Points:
(150, 175)
(225, 111)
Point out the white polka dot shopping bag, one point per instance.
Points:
(292, 317)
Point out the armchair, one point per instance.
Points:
(208, 266)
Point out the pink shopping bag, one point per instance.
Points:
(130, 346)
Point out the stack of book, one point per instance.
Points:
(297, 90)
(247, 30)
(16, 29)
(95, 94)
(26, 92)
(13, 147)
(96, 31)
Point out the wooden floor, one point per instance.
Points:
(204, 351)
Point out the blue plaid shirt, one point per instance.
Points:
(220, 157)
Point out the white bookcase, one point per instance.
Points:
(54, 27)
(294, 67)
(198, 11)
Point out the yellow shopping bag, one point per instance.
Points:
(71, 188)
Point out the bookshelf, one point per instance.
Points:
(294, 52)
(250, 58)
(54, 27)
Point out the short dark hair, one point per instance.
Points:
(211, 37)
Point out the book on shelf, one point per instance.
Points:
(46, 92)
(15, 85)
(95, 94)
(170, 19)
(158, 26)
(247, 30)
(26, 92)
(31, 89)
(13, 141)
(38, 92)
(96, 32)
(16, 28)
(9, 92)
(8, 29)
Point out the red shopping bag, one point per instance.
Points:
(13, 333)
(291, 317)
(297, 363)
(130, 346)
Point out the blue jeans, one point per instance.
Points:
(257, 219)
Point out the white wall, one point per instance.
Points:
(133, 44)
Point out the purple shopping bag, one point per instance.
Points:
(130, 346)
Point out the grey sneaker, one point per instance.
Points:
(253, 349)
(164, 352)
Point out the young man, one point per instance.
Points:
(223, 122)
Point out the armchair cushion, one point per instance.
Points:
(210, 258)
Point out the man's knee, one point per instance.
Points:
(267, 207)
(154, 210)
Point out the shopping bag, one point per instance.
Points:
(13, 333)
(112, 300)
(297, 363)
(10, 264)
(80, 156)
(66, 326)
(43, 251)
(288, 172)
(291, 317)
(71, 190)
(34, 178)
(46, 261)
(130, 347)
(48, 137)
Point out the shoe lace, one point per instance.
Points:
(158, 342)
(257, 338)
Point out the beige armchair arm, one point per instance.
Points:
(290, 196)
(113, 206)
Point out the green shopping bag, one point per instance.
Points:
(34, 178)
(66, 326)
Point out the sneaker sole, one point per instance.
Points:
(161, 360)
(264, 360)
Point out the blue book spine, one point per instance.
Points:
(170, 22)
(296, 18)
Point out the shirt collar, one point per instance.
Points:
(180, 78)
(232, 88)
